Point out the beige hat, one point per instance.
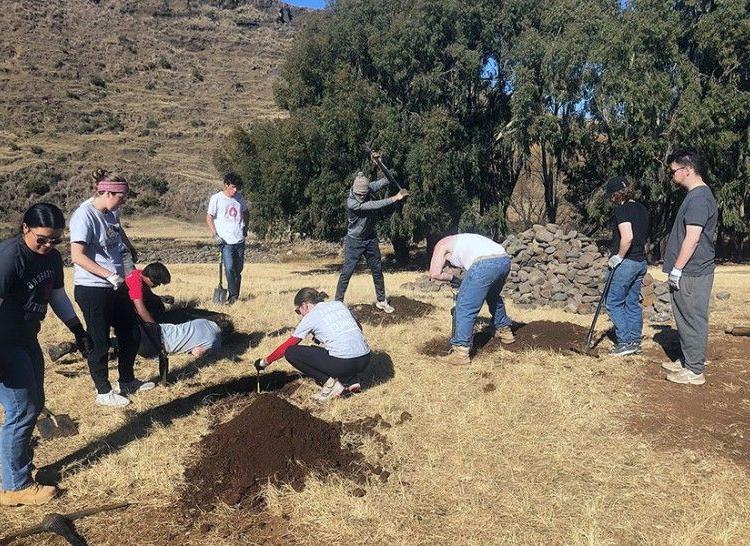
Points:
(361, 185)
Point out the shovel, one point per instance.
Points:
(586, 349)
(52, 426)
(220, 293)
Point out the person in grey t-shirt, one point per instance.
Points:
(363, 212)
(689, 261)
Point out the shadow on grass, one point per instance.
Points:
(141, 424)
(669, 340)
(379, 371)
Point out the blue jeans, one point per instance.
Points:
(483, 282)
(234, 261)
(623, 307)
(22, 398)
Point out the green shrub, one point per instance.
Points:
(98, 81)
(197, 74)
(38, 150)
(14, 147)
(163, 62)
(152, 124)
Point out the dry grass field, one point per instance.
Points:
(518, 448)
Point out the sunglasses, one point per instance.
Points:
(296, 310)
(673, 171)
(43, 240)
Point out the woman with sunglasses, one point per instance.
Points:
(344, 353)
(31, 279)
(96, 251)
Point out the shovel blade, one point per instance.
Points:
(220, 295)
(61, 426)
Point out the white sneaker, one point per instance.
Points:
(134, 386)
(331, 389)
(674, 366)
(112, 399)
(385, 306)
(686, 377)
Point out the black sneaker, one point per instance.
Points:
(625, 349)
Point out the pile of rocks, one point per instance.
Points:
(568, 271)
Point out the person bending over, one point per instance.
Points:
(344, 354)
(31, 278)
(628, 264)
(487, 266)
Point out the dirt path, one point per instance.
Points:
(712, 418)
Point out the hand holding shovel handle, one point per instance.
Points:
(375, 156)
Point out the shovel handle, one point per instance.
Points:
(603, 297)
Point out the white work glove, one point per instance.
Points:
(674, 278)
(614, 261)
(115, 280)
(260, 364)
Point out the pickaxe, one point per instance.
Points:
(379, 162)
(61, 524)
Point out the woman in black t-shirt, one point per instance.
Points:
(31, 278)
(630, 227)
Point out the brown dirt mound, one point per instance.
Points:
(407, 310)
(270, 440)
(543, 334)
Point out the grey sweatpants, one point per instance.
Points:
(690, 308)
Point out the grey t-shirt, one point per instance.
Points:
(183, 338)
(697, 209)
(333, 325)
(100, 232)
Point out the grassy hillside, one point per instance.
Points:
(141, 87)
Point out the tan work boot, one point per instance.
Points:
(505, 335)
(458, 356)
(33, 494)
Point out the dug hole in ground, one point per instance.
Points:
(522, 446)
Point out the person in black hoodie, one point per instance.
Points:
(31, 279)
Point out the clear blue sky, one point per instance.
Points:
(307, 3)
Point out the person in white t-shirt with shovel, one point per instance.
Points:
(227, 219)
(487, 267)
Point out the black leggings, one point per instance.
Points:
(102, 309)
(318, 364)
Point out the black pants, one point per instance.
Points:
(353, 251)
(104, 308)
(318, 364)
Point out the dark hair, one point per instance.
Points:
(232, 178)
(625, 194)
(309, 295)
(157, 272)
(688, 157)
(44, 215)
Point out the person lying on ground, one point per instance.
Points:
(487, 266)
(96, 252)
(344, 354)
(31, 278)
(628, 266)
(363, 212)
(197, 337)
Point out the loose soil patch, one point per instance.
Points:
(407, 310)
(271, 440)
(710, 418)
(543, 334)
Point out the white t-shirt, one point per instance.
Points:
(227, 213)
(100, 232)
(333, 325)
(183, 338)
(470, 246)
